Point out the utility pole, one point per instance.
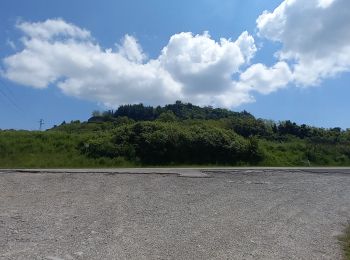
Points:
(41, 123)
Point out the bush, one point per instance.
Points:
(171, 142)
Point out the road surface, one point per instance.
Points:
(173, 213)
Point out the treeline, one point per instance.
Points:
(242, 123)
(179, 110)
(175, 134)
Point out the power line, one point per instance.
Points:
(11, 100)
(10, 97)
(9, 90)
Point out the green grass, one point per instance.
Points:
(62, 149)
(345, 241)
(26, 149)
(298, 152)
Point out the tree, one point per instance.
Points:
(167, 116)
(96, 113)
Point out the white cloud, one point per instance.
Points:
(202, 65)
(315, 36)
(325, 3)
(192, 68)
(266, 80)
(51, 28)
(246, 44)
(131, 50)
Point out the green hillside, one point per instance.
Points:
(176, 134)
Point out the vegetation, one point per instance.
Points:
(176, 134)
(345, 240)
(25, 149)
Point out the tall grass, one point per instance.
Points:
(60, 149)
(28, 149)
(299, 152)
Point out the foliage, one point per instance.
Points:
(176, 134)
(173, 143)
(33, 149)
(182, 111)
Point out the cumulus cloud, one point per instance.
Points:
(131, 50)
(190, 67)
(265, 80)
(314, 34)
(202, 65)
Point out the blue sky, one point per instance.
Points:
(306, 93)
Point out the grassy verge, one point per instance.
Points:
(62, 149)
(25, 149)
(345, 240)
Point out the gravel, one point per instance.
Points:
(169, 214)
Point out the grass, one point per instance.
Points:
(345, 241)
(60, 149)
(25, 149)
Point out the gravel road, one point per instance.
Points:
(173, 213)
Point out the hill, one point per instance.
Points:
(175, 134)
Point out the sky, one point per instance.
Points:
(279, 60)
